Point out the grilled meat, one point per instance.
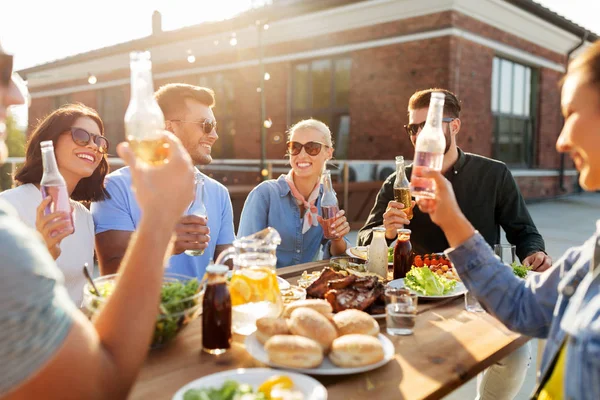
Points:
(342, 283)
(344, 299)
(319, 287)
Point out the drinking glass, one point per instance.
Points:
(400, 311)
(506, 252)
(471, 303)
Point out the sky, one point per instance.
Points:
(39, 31)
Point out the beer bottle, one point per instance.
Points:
(144, 120)
(429, 149)
(329, 206)
(197, 207)
(53, 184)
(402, 187)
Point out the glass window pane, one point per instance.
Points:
(527, 91)
(518, 90)
(495, 83)
(506, 84)
(341, 137)
(321, 84)
(300, 89)
(342, 82)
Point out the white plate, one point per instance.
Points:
(283, 284)
(310, 388)
(256, 350)
(459, 290)
(360, 252)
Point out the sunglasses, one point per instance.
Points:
(82, 138)
(206, 124)
(6, 69)
(311, 148)
(413, 129)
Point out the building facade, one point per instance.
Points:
(354, 65)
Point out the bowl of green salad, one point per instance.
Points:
(180, 303)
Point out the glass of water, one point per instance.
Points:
(506, 252)
(400, 311)
(471, 303)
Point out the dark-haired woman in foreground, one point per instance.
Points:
(80, 148)
(563, 303)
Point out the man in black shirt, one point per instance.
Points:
(485, 191)
(489, 197)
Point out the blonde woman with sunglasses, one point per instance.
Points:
(80, 148)
(291, 203)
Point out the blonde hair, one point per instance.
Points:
(312, 124)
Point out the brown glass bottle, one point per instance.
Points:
(216, 311)
(402, 254)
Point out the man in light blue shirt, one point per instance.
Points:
(188, 114)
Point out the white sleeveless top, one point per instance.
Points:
(76, 249)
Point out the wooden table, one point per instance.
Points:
(449, 346)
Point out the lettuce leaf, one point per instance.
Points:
(425, 282)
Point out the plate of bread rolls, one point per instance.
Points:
(310, 338)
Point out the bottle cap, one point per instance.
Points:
(218, 269)
(404, 231)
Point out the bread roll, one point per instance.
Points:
(351, 351)
(267, 327)
(313, 325)
(294, 351)
(348, 322)
(318, 305)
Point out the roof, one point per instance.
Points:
(556, 19)
(280, 9)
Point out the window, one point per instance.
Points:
(321, 90)
(512, 105)
(112, 107)
(223, 87)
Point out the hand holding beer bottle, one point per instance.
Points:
(400, 211)
(144, 120)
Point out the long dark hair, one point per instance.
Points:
(50, 128)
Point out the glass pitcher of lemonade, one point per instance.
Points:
(253, 287)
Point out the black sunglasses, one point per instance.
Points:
(207, 125)
(81, 137)
(6, 69)
(311, 148)
(413, 129)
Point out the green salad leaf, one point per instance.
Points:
(520, 270)
(231, 390)
(390, 254)
(424, 281)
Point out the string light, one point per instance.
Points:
(268, 123)
(191, 58)
(233, 41)
(267, 76)
(92, 79)
(266, 27)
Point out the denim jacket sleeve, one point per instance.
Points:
(255, 214)
(524, 306)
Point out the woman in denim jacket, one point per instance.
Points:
(563, 303)
(292, 203)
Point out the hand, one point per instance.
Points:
(54, 227)
(538, 261)
(191, 234)
(395, 218)
(444, 209)
(340, 226)
(155, 185)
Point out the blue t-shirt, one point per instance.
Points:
(122, 213)
(272, 204)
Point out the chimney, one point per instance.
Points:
(156, 23)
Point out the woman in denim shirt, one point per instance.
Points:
(563, 303)
(291, 203)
